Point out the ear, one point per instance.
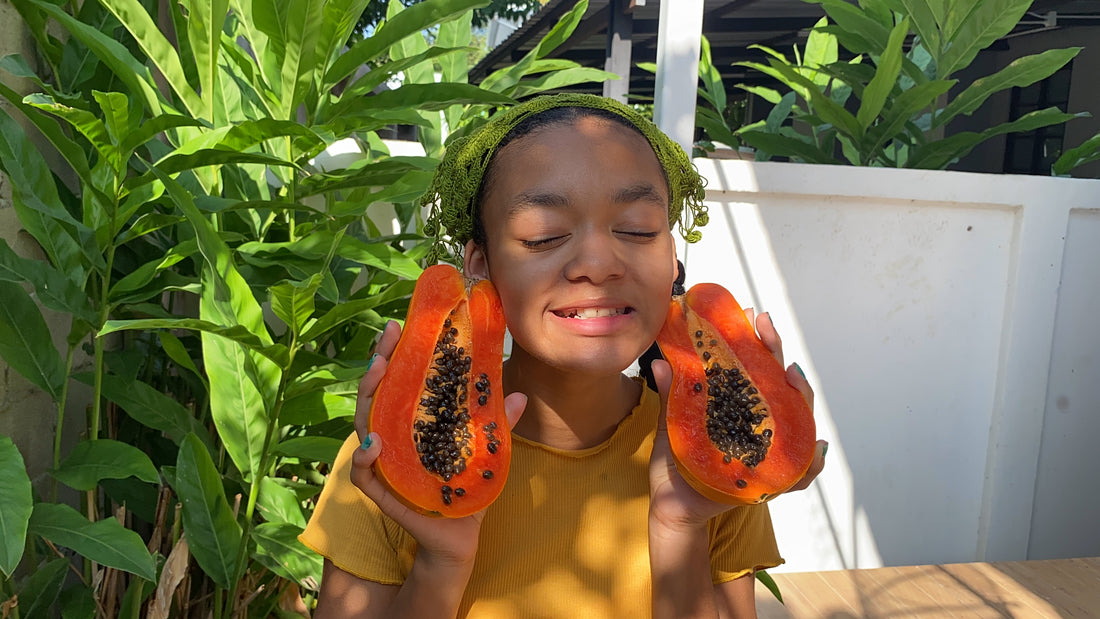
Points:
(475, 263)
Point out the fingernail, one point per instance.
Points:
(799, 368)
(371, 362)
(824, 450)
(367, 442)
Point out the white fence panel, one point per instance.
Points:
(922, 306)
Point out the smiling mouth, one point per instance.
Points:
(593, 312)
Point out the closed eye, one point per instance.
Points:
(642, 235)
(540, 243)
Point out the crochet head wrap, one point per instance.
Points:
(453, 194)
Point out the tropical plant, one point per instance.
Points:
(889, 103)
(223, 274)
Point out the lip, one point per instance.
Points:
(595, 326)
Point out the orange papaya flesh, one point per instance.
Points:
(739, 432)
(439, 408)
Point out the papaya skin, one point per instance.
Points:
(473, 311)
(707, 326)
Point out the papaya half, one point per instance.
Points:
(439, 408)
(739, 432)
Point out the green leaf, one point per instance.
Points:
(821, 50)
(941, 153)
(769, 582)
(150, 128)
(316, 246)
(311, 448)
(770, 95)
(25, 341)
(293, 302)
(147, 405)
(292, 30)
(1019, 73)
(212, 532)
(969, 33)
(711, 78)
(924, 22)
(94, 460)
(15, 509)
(432, 97)
(886, 76)
(237, 333)
(901, 112)
(205, 20)
(36, 201)
(68, 148)
(54, 290)
(561, 79)
(278, 549)
(149, 38)
(782, 146)
(378, 76)
(562, 30)
(278, 503)
(177, 352)
(1087, 152)
(129, 70)
(340, 19)
(317, 407)
(853, 21)
(830, 111)
(145, 273)
(42, 589)
(414, 19)
(106, 542)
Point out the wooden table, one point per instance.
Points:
(1059, 589)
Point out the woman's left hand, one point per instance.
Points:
(672, 500)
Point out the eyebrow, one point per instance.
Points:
(642, 192)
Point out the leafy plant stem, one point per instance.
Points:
(9, 593)
(61, 416)
(254, 489)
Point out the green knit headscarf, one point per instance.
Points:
(453, 194)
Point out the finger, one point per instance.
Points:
(766, 329)
(514, 405)
(815, 469)
(662, 375)
(391, 333)
(797, 379)
(750, 313)
(362, 475)
(362, 471)
(367, 385)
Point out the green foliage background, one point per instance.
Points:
(240, 269)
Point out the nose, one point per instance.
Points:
(595, 258)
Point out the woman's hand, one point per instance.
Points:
(444, 540)
(673, 501)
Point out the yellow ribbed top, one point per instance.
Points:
(566, 538)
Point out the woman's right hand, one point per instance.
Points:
(444, 540)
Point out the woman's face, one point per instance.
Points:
(578, 244)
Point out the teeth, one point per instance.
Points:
(596, 312)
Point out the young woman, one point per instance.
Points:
(567, 205)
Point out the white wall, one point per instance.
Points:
(957, 382)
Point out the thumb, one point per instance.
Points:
(514, 405)
(662, 376)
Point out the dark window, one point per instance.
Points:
(1033, 152)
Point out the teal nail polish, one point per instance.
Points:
(799, 368)
(371, 362)
(824, 450)
(366, 443)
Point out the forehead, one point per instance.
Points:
(583, 155)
